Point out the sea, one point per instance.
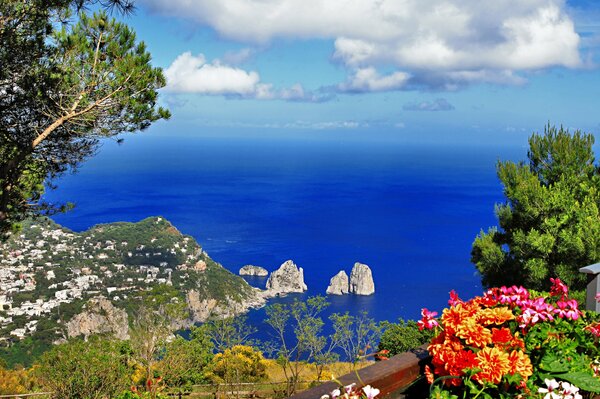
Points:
(408, 210)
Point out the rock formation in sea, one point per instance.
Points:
(361, 280)
(99, 317)
(288, 278)
(338, 285)
(251, 270)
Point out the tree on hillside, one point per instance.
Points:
(61, 90)
(549, 225)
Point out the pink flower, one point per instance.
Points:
(594, 329)
(558, 288)
(535, 311)
(598, 297)
(513, 295)
(454, 299)
(428, 320)
(567, 309)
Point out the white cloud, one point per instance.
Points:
(439, 43)
(193, 74)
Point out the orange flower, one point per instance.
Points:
(493, 363)
(495, 315)
(520, 364)
(429, 375)
(461, 360)
(474, 333)
(452, 317)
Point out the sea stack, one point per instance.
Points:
(288, 278)
(361, 280)
(338, 285)
(250, 270)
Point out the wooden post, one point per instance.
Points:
(593, 287)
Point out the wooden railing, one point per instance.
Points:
(391, 376)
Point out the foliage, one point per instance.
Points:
(97, 368)
(508, 343)
(403, 336)
(355, 335)
(227, 332)
(238, 364)
(550, 223)
(16, 381)
(63, 90)
(302, 319)
(183, 362)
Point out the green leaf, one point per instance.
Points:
(583, 380)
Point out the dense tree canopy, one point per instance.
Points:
(61, 90)
(549, 225)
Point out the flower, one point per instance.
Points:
(370, 391)
(349, 388)
(598, 297)
(567, 309)
(335, 393)
(549, 391)
(520, 364)
(429, 375)
(558, 288)
(493, 363)
(454, 299)
(474, 333)
(428, 320)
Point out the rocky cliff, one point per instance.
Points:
(361, 280)
(99, 317)
(287, 279)
(338, 285)
(250, 270)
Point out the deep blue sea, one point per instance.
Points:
(409, 211)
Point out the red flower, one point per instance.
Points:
(558, 288)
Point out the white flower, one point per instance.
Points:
(550, 394)
(349, 388)
(370, 391)
(335, 393)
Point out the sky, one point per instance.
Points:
(466, 71)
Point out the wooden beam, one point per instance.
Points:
(388, 376)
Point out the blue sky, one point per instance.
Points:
(443, 70)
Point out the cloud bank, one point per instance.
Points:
(434, 44)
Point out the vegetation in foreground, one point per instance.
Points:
(221, 352)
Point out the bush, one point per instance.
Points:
(238, 364)
(403, 336)
(92, 370)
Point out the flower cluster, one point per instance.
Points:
(477, 341)
(509, 340)
(352, 392)
(559, 390)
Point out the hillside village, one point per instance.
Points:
(48, 272)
